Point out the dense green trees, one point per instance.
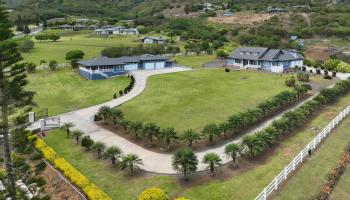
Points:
(138, 50)
(52, 37)
(25, 45)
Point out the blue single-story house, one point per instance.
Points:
(104, 67)
(274, 60)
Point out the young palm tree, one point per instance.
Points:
(224, 128)
(131, 162)
(135, 128)
(114, 153)
(185, 161)
(211, 130)
(115, 116)
(67, 126)
(191, 136)
(99, 147)
(77, 135)
(125, 124)
(213, 160)
(168, 135)
(233, 150)
(104, 112)
(254, 144)
(151, 130)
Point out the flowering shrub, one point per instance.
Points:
(153, 194)
(182, 198)
(335, 174)
(90, 189)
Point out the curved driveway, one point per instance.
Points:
(152, 161)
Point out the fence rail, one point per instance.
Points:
(296, 162)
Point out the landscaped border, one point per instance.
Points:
(90, 189)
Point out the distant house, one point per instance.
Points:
(104, 67)
(76, 27)
(274, 60)
(227, 14)
(152, 40)
(273, 10)
(65, 27)
(117, 30)
(293, 37)
(207, 6)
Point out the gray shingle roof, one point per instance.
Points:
(265, 54)
(104, 61)
(154, 38)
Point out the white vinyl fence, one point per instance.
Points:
(296, 162)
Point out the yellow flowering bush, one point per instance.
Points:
(90, 189)
(153, 194)
(182, 198)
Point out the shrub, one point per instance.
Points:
(303, 77)
(75, 54)
(53, 64)
(290, 82)
(334, 73)
(31, 67)
(40, 166)
(153, 194)
(318, 71)
(303, 68)
(325, 72)
(25, 45)
(87, 142)
(227, 70)
(114, 95)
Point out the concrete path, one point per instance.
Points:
(152, 161)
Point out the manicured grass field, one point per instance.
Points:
(109, 179)
(244, 185)
(194, 98)
(194, 61)
(87, 42)
(65, 90)
(308, 180)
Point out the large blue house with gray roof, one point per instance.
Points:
(104, 67)
(274, 60)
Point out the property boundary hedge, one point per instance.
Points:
(90, 189)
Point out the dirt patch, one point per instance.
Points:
(318, 52)
(241, 18)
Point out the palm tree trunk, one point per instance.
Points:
(190, 143)
(7, 152)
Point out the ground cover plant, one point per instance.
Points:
(72, 91)
(193, 99)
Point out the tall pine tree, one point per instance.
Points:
(13, 96)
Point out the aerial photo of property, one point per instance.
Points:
(175, 100)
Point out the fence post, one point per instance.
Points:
(294, 164)
(285, 173)
(42, 124)
(265, 196)
(276, 183)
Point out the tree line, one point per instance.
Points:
(139, 49)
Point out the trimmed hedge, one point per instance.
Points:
(153, 194)
(90, 189)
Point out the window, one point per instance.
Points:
(255, 53)
(274, 64)
(238, 61)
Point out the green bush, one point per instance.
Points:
(153, 194)
(26, 45)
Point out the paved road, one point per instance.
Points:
(153, 162)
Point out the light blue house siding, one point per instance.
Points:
(103, 67)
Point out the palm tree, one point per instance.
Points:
(191, 136)
(233, 150)
(125, 124)
(211, 130)
(185, 161)
(225, 128)
(151, 130)
(115, 116)
(104, 111)
(99, 147)
(135, 128)
(213, 160)
(67, 126)
(77, 135)
(131, 162)
(167, 135)
(254, 144)
(114, 153)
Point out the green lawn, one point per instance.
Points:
(194, 61)
(245, 185)
(65, 90)
(308, 180)
(87, 42)
(194, 98)
(342, 189)
(117, 185)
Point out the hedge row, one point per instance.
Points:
(262, 140)
(333, 177)
(90, 189)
